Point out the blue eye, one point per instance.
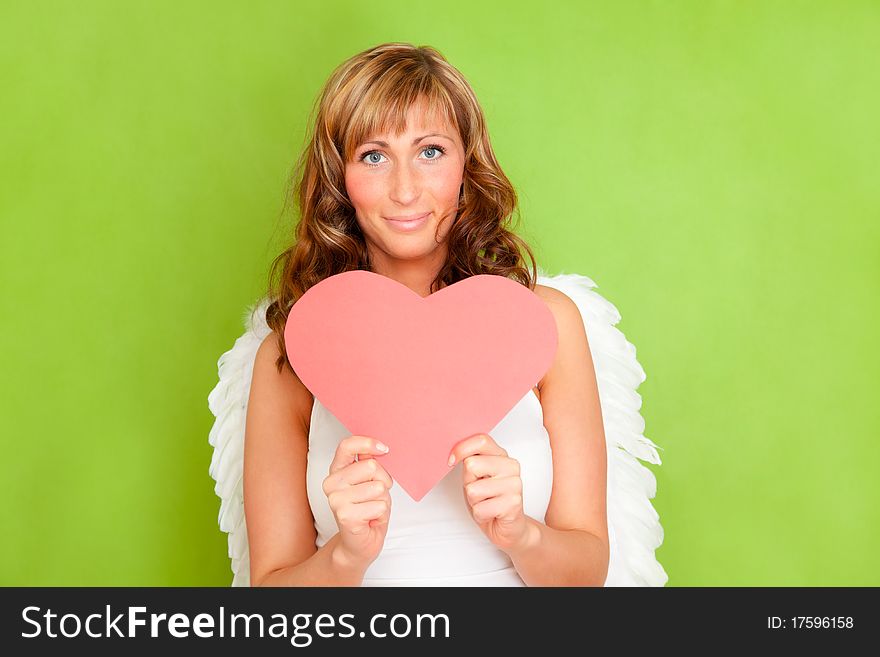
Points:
(429, 147)
(434, 147)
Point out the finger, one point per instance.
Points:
(483, 489)
(349, 448)
(372, 470)
(358, 472)
(383, 519)
(476, 467)
(357, 516)
(481, 443)
(351, 475)
(504, 507)
(363, 492)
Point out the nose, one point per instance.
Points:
(405, 185)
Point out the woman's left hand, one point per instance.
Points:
(492, 490)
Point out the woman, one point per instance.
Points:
(399, 178)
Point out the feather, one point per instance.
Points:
(228, 403)
(634, 528)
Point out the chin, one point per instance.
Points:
(415, 252)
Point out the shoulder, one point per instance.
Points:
(283, 389)
(552, 297)
(569, 325)
(268, 350)
(569, 321)
(266, 357)
(268, 353)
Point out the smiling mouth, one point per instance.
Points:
(413, 217)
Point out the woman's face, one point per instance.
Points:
(405, 177)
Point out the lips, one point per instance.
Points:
(409, 225)
(411, 217)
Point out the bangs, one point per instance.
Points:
(384, 107)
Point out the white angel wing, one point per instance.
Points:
(228, 402)
(634, 529)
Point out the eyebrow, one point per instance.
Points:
(415, 141)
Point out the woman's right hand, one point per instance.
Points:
(357, 490)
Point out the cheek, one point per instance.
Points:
(446, 185)
(361, 190)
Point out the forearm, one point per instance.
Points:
(326, 567)
(555, 557)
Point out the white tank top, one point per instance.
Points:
(435, 542)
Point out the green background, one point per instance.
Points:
(713, 166)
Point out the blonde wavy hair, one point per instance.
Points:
(369, 94)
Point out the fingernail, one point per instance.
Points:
(382, 447)
(451, 459)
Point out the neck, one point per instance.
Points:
(417, 274)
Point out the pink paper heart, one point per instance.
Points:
(419, 374)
